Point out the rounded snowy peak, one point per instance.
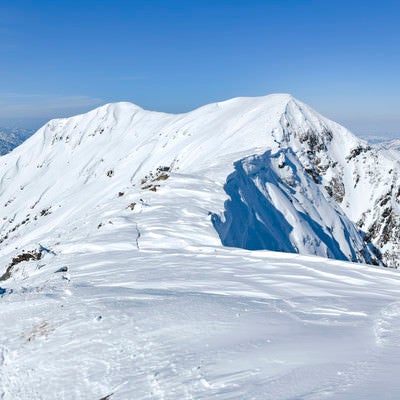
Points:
(116, 108)
(277, 99)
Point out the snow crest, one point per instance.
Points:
(114, 283)
(333, 194)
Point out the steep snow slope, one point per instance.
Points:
(325, 173)
(362, 180)
(115, 285)
(282, 203)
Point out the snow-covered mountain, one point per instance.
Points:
(391, 145)
(114, 284)
(12, 137)
(272, 173)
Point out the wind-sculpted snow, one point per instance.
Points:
(114, 283)
(99, 318)
(70, 165)
(251, 219)
(271, 202)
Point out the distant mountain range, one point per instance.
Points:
(390, 144)
(12, 137)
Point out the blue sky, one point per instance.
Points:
(61, 57)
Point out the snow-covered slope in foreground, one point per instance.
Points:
(198, 323)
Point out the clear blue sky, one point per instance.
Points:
(62, 57)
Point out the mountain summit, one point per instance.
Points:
(266, 173)
(130, 262)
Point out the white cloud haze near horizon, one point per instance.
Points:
(32, 110)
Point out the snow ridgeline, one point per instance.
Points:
(317, 189)
(115, 285)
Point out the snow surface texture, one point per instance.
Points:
(327, 193)
(115, 284)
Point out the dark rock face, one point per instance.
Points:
(386, 227)
(380, 223)
(24, 256)
(336, 189)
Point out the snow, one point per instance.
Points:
(135, 297)
(12, 137)
(117, 145)
(280, 203)
(391, 147)
(198, 323)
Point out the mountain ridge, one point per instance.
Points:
(116, 279)
(99, 147)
